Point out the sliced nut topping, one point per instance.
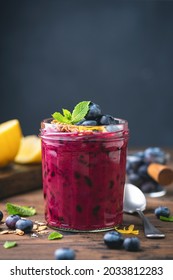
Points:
(7, 231)
(41, 228)
(19, 232)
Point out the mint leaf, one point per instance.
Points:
(166, 219)
(9, 244)
(80, 111)
(67, 114)
(22, 211)
(55, 235)
(60, 118)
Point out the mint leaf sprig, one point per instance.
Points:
(78, 113)
(55, 235)
(166, 219)
(9, 244)
(23, 211)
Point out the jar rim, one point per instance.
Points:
(53, 129)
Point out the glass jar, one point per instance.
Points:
(84, 176)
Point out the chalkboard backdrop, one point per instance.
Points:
(118, 54)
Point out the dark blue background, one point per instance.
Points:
(118, 54)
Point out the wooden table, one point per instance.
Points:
(88, 245)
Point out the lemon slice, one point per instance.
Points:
(30, 150)
(10, 137)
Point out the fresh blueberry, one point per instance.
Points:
(89, 123)
(162, 211)
(64, 254)
(134, 162)
(1, 216)
(113, 239)
(24, 225)
(149, 186)
(80, 122)
(11, 221)
(112, 128)
(131, 244)
(107, 120)
(139, 154)
(135, 179)
(129, 170)
(154, 154)
(93, 112)
(142, 171)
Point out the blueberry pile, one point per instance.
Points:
(16, 222)
(94, 117)
(115, 240)
(136, 168)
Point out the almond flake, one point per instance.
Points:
(19, 232)
(41, 228)
(35, 227)
(41, 224)
(7, 231)
(43, 232)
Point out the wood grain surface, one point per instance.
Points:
(88, 246)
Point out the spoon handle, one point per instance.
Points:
(149, 230)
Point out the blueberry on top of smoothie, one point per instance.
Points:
(93, 112)
(85, 114)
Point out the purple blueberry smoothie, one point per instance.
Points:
(84, 176)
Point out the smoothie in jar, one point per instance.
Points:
(83, 167)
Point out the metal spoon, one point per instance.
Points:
(135, 201)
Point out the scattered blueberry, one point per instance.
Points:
(113, 240)
(139, 154)
(137, 165)
(64, 254)
(142, 171)
(24, 225)
(154, 154)
(149, 186)
(1, 216)
(131, 244)
(162, 211)
(94, 111)
(135, 179)
(134, 162)
(11, 221)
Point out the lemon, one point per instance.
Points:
(10, 137)
(29, 150)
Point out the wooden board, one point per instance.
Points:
(17, 179)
